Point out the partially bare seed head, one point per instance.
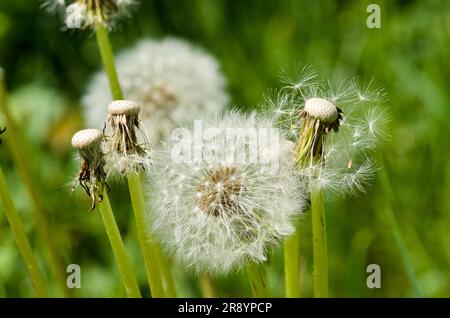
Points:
(87, 138)
(124, 107)
(319, 117)
(124, 121)
(92, 176)
(321, 109)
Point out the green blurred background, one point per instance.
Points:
(46, 74)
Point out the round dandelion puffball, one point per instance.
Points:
(223, 192)
(170, 79)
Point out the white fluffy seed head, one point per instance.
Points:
(216, 215)
(123, 107)
(170, 79)
(322, 109)
(347, 167)
(87, 138)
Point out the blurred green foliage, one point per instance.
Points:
(47, 70)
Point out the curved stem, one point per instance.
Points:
(319, 233)
(30, 261)
(38, 211)
(292, 265)
(126, 271)
(148, 247)
(257, 280)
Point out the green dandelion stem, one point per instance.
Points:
(17, 228)
(148, 248)
(104, 46)
(395, 228)
(166, 275)
(257, 280)
(125, 269)
(207, 286)
(319, 233)
(148, 245)
(38, 210)
(292, 265)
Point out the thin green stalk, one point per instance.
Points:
(319, 233)
(26, 175)
(125, 269)
(147, 243)
(257, 280)
(148, 249)
(292, 265)
(17, 228)
(395, 228)
(104, 46)
(166, 275)
(207, 286)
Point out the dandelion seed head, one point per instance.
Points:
(322, 109)
(91, 176)
(336, 125)
(87, 138)
(226, 213)
(127, 151)
(123, 107)
(170, 79)
(81, 14)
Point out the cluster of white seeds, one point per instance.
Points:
(217, 216)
